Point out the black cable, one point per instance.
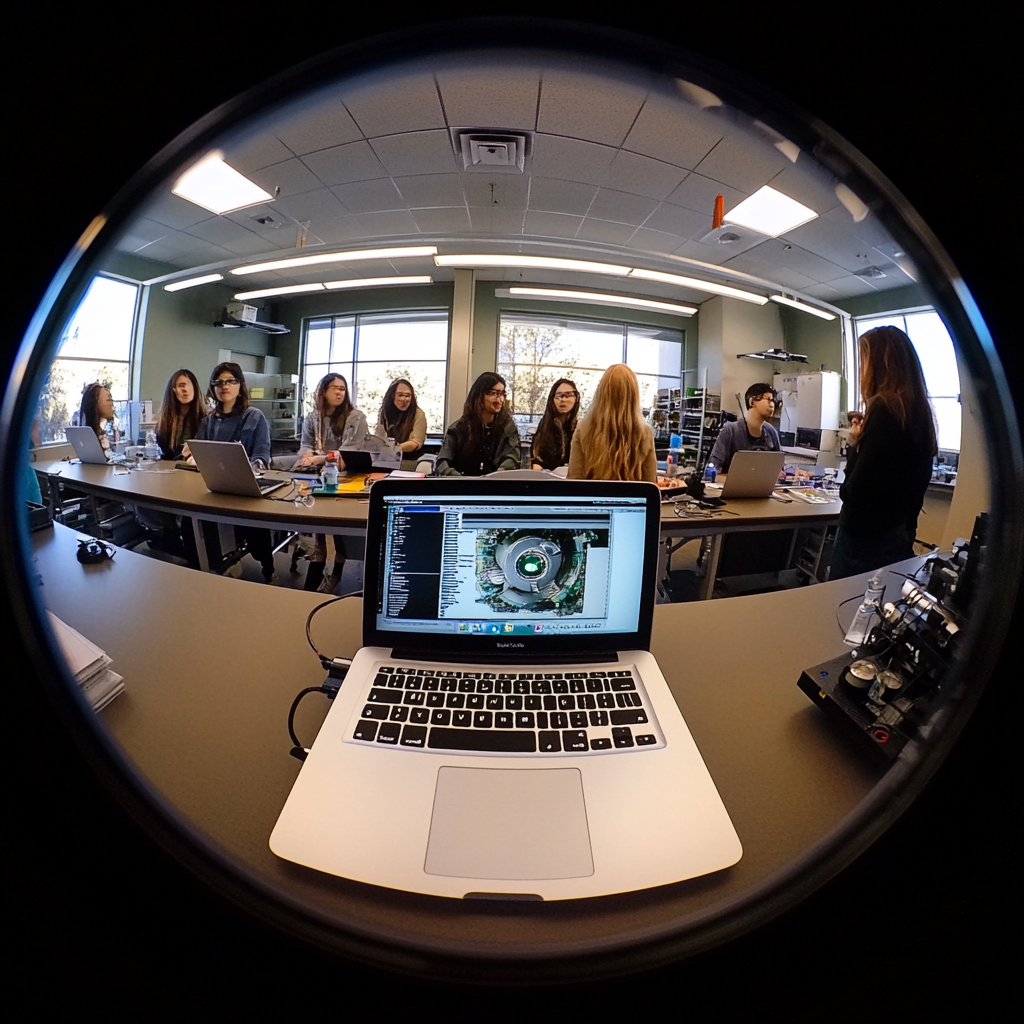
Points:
(324, 659)
(298, 750)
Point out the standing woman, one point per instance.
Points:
(553, 438)
(333, 423)
(613, 442)
(889, 463)
(401, 418)
(97, 411)
(485, 439)
(180, 415)
(235, 420)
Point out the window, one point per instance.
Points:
(96, 346)
(370, 350)
(934, 347)
(534, 351)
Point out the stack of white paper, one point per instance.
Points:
(88, 663)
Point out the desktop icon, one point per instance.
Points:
(509, 627)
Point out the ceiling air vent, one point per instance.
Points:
(491, 149)
(870, 272)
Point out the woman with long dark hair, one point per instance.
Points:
(334, 423)
(401, 418)
(613, 442)
(552, 440)
(889, 462)
(485, 439)
(96, 412)
(180, 414)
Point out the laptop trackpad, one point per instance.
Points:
(509, 823)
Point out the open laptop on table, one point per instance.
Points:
(226, 469)
(753, 474)
(505, 731)
(87, 446)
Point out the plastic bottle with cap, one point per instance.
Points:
(330, 473)
(869, 607)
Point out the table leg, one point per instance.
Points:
(707, 587)
(201, 555)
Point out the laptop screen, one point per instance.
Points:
(464, 566)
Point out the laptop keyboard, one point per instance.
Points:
(532, 713)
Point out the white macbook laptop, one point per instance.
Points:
(753, 474)
(87, 445)
(505, 731)
(225, 469)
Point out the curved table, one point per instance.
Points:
(214, 745)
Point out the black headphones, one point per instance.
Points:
(92, 551)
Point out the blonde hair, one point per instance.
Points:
(616, 430)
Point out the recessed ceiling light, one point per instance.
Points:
(598, 298)
(797, 304)
(218, 187)
(704, 286)
(289, 289)
(770, 212)
(533, 262)
(191, 282)
(376, 282)
(338, 257)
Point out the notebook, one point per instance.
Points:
(753, 474)
(505, 732)
(226, 469)
(87, 445)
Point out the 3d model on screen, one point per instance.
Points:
(543, 570)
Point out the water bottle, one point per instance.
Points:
(330, 473)
(861, 625)
(710, 474)
(152, 447)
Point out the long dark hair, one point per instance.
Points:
(175, 420)
(471, 411)
(88, 415)
(398, 424)
(242, 402)
(340, 414)
(890, 374)
(547, 440)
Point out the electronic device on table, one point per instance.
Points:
(886, 689)
(753, 474)
(87, 446)
(226, 469)
(505, 731)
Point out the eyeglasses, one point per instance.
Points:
(496, 393)
(223, 382)
(766, 398)
(567, 394)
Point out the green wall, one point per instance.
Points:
(908, 297)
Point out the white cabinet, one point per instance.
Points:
(808, 400)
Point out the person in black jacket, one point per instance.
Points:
(552, 441)
(889, 462)
(485, 438)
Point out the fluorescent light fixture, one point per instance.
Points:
(797, 304)
(191, 282)
(704, 286)
(288, 289)
(599, 298)
(218, 187)
(338, 257)
(770, 212)
(377, 282)
(533, 262)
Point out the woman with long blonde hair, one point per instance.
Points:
(614, 442)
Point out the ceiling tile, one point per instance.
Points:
(677, 220)
(292, 177)
(715, 254)
(810, 186)
(505, 190)
(319, 205)
(604, 231)
(426, 190)
(415, 153)
(322, 126)
(250, 154)
(370, 196)
(556, 196)
(394, 222)
(220, 231)
(698, 193)
(496, 220)
(337, 230)
(743, 161)
(570, 159)
(621, 207)
(671, 130)
(174, 211)
(544, 225)
(650, 241)
(436, 221)
(355, 161)
(630, 172)
(773, 256)
(585, 106)
(485, 98)
(404, 103)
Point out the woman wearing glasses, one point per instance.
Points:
(234, 419)
(485, 439)
(614, 442)
(552, 440)
(334, 423)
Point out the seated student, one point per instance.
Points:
(552, 441)
(98, 412)
(180, 414)
(485, 439)
(333, 423)
(613, 442)
(401, 419)
(234, 419)
(751, 434)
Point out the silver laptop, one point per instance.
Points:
(225, 469)
(753, 474)
(505, 731)
(87, 446)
